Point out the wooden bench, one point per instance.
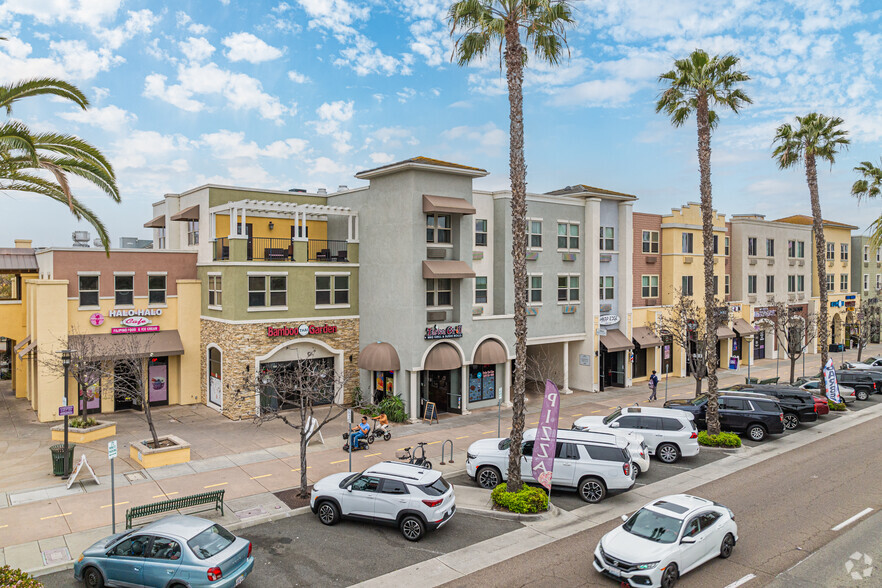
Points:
(769, 381)
(215, 498)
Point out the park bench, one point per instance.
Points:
(215, 498)
(751, 380)
(769, 380)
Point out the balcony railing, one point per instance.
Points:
(323, 250)
(283, 249)
(270, 249)
(221, 249)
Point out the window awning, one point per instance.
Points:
(188, 214)
(615, 340)
(724, 332)
(644, 337)
(447, 269)
(26, 350)
(157, 223)
(443, 356)
(490, 352)
(157, 344)
(447, 205)
(742, 327)
(379, 357)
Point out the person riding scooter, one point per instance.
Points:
(381, 427)
(359, 431)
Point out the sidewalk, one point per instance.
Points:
(47, 524)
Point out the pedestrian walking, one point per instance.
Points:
(653, 386)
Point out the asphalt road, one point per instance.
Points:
(785, 508)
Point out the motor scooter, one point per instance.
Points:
(363, 443)
(381, 429)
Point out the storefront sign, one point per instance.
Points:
(135, 321)
(584, 359)
(97, 319)
(609, 319)
(452, 332)
(837, 304)
(764, 312)
(130, 330)
(734, 308)
(850, 304)
(850, 297)
(302, 330)
(135, 312)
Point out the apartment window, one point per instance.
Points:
(770, 284)
(88, 290)
(831, 251)
(650, 241)
(866, 282)
(878, 281)
(438, 293)
(481, 232)
(568, 288)
(267, 291)
(124, 290)
(800, 249)
(687, 286)
(879, 255)
(831, 285)
(843, 252)
(726, 292)
(866, 254)
(534, 234)
(770, 248)
(751, 245)
(215, 291)
(331, 290)
(193, 232)
(534, 290)
(716, 244)
(791, 249)
(438, 228)
(156, 289)
(607, 287)
(607, 239)
(687, 242)
(9, 287)
(726, 246)
(843, 282)
(649, 286)
(480, 289)
(568, 236)
(791, 284)
(716, 285)
(800, 283)
(160, 238)
(751, 284)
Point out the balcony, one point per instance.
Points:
(281, 249)
(334, 250)
(220, 249)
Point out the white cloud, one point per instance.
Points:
(298, 78)
(226, 144)
(87, 12)
(140, 148)
(80, 62)
(326, 165)
(183, 19)
(331, 115)
(247, 47)
(284, 149)
(405, 94)
(196, 48)
(381, 158)
(597, 93)
(109, 118)
(155, 87)
(139, 22)
(394, 137)
(487, 135)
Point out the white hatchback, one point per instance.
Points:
(666, 539)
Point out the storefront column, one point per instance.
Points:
(566, 369)
(464, 387)
(506, 388)
(414, 395)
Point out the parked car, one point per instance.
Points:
(636, 445)
(847, 393)
(666, 539)
(864, 382)
(755, 415)
(592, 463)
(798, 405)
(668, 433)
(404, 495)
(193, 550)
(870, 363)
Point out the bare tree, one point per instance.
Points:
(794, 331)
(685, 323)
(88, 366)
(303, 394)
(130, 354)
(866, 324)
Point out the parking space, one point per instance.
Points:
(855, 406)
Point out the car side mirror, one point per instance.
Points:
(625, 518)
(687, 540)
(614, 425)
(349, 488)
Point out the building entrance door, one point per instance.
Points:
(439, 389)
(759, 344)
(125, 386)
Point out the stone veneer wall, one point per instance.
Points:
(241, 343)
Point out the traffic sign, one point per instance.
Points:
(65, 410)
(111, 449)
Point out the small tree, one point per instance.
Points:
(88, 365)
(302, 394)
(866, 324)
(794, 332)
(130, 354)
(685, 323)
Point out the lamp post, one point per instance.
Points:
(65, 361)
(749, 339)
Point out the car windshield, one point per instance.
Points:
(653, 526)
(211, 541)
(504, 444)
(699, 400)
(615, 414)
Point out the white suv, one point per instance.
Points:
(668, 433)
(410, 497)
(593, 463)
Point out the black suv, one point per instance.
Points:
(798, 405)
(756, 415)
(864, 382)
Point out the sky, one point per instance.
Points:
(304, 93)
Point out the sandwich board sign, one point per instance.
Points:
(79, 467)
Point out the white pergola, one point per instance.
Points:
(240, 210)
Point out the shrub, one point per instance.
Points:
(81, 423)
(393, 406)
(17, 578)
(526, 500)
(836, 406)
(724, 439)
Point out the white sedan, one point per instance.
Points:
(666, 539)
(846, 392)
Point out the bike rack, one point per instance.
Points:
(443, 445)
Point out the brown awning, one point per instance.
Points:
(18, 259)
(490, 352)
(447, 205)
(379, 357)
(156, 344)
(615, 340)
(157, 223)
(724, 332)
(644, 337)
(188, 214)
(443, 357)
(742, 327)
(447, 269)
(26, 350)
(22, 343)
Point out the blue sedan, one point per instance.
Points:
(174, 552)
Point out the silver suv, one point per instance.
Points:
(407, 496)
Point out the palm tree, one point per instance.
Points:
(815, 136)
(870, 186)
(26, 157)
(513, 26)
(698, 84)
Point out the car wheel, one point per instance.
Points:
(387, 436)
(370, 439)
(92, 578)
(727, 546)
(328, 513)
(667, 452)
(670, 577)
(637, 470)
(412, 528)
(791, 421)
(861, 395)
(592, 490)
(756, 432)
(488, 477)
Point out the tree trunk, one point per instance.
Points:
(811, 176)
(792, 369)
(145, 398)
(860, 349)
(514, 66)
(707, 230)
(697, 387)
(304, 442)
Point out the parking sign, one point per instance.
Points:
(111, 449)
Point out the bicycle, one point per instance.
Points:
(411, 457)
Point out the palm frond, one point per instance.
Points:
(870, 183)
(15, 91)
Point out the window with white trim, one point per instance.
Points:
(534, 289)
(831, 251)
(534, 233)
(791, 284)
(650, 242)
(156, 289)
(800, 283)
(878, 281)
(751, 246)
(215, 291)
(751, 284)
(193, 232)
(439, 293)
(607, 238)
(843, 252)
(480, 289)
(716, 285)
(770, 248)
(716, 240)
(124, 290)
(88, 290)
(791, 249)
(331, 289)
(800, 249)
(568, 236)
(726, 251)
(607, 287)
(866, 282)
(726, 287)
(439, 228)
(770, 284)
(843, 282)
(866, 253)
(267, 291)
(687, 242)
(831, 283)
(649, 286)
(879, 255)
(568, 288)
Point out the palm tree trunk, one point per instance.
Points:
(707, 233)
(811, 176)
(514, 66)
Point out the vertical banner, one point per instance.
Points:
(831, 383)
(157, 379)
(546, 436)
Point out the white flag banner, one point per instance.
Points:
(831, 384)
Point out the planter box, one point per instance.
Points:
(87, 435)
(154, 458)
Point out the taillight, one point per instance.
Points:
(249, 549)
(781, 417)
(694, 435)
(627, 469)
(433, 503)
(214, 574)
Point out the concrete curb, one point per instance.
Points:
(551, 513)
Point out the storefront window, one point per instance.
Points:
(88, 290)
(384, 386)
(124, 290)
(482, 382)
(214, 376)
(9, 287)
(156, 289)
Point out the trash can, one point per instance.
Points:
(58, 458)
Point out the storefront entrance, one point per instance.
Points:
(759, 344)
(157, 381)
(639, 362)
(612, 366)
(736, 347)
(125, 386)
(443, 388)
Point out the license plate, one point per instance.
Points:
(614, 571)
(239, 580)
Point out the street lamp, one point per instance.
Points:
(65, 361)
(749, 340)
